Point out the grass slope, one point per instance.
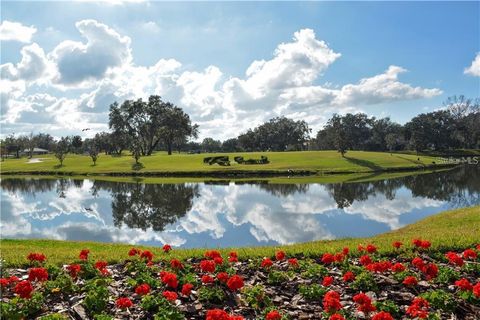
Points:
(313, 161)
(455, 229)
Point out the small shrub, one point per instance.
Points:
(54, 316)
(390, 307)
(447, 275)
(255, 297)
(211, 294)
(312, 292)
(311, 270)
(365, 282)
(440, 299)
(277, 277)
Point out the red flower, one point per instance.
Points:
(397, 244)
(222, 277)
(476, 290)
(212, 254)
(233, 257)
(371, 248)
(134, 252)
(365, 260)
(410, 281)
(142, 289)
(4, 282)
(100, 265)
(464, 284)
(273, 315)
(40, 257)
(39, 274)
(470, 254)
(124, 303)
(382, 315)
(331, 301)
(235, 282)
(166, 248)
(207, 279)
(336, 316)
(360, 248)
(187, 289)
(104, 272)
(280, 255)
(170, 279)
(293, 262)
(454, 258)
(84, 254)
(425, 244)
(348, 276)
(345, 251)
(339, 257)
(13, 279)
(328, 258)
(73, 270)
(418, 263)
(267, 263)
(418, 308)
(398, 267)
(170, 295)
(176, 264)
(217, 314)
(207, 265)
(147, 254)
(218, 260)
(381, 266)
(364, 303)
(327, 281)
(430, 271)
(24, 289)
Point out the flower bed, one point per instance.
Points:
(415, 283)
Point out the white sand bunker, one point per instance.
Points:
(35, 160)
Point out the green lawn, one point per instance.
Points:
(312, 161)
(455, 229)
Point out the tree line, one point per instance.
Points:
(142, 127)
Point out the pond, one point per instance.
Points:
(226, 213)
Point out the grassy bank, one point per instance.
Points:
(448, 230)
(306, 162)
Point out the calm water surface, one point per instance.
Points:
(226, 213)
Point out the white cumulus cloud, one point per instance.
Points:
(474, 69)
(15, 31)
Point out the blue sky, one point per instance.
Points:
(67, 81)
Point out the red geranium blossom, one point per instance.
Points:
(176, 264)
(328, 258)
(327, 281)
(364, 303)
(134, 252)
(207, 265)
(365, 260)
(39, 274)
(464, 284)
(124, 303)
(418, 262)
(470, 254)
(233, 257)
(207, 279)
(371, 248)
(273, 315)
(331, 301)
(397, 244)
(280, 255)
(40, 257)
(430, 271)
(84, 254)
(336, 316)
(418, 308)
(167, 248)
(13, 279)
(476, 290)
(360, 248)
(222, 277)
(73, 270)
(454, 258)
(345, 250)
(147, 254)
(24, 289)
(293, 262)
(382, 315)
(348, 276)
(217, 314)
(142, 289)
(339, 257)
(212, 254)
(235, 282)
(187, 289)
(398, 267)
(267, 263)
(170, 279)
(170, 295)
(380, 266)
(100, 265)
(4, 282)
(218, 260)
(410, 281)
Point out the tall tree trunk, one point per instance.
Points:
(169, 146)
